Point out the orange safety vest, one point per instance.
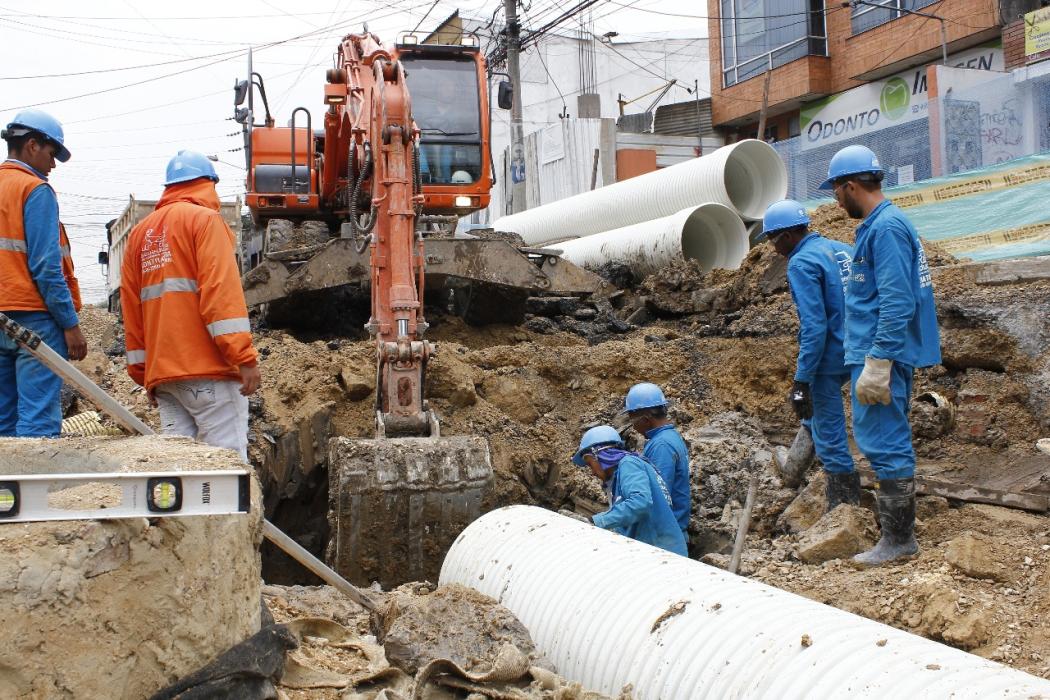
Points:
(67, 268)
(180, 292)
(18, 291)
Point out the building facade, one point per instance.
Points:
(872, 73)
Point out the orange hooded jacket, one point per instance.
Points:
(180, 291)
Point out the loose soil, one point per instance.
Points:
(723, 347)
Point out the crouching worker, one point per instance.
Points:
(639, 502)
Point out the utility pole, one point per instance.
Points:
(765, 103)
(517, 136)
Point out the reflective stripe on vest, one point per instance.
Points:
(66, 252)
(171, 284)
(136, 357)
(13, 244)
(229, 325)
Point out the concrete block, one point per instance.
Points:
(121, 608)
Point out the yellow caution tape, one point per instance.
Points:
(1032, 233)
(979, 184)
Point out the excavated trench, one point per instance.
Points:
(722, 343)
(723, 346)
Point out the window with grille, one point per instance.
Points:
(761, 34)
(864, 16)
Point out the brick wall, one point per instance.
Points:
(1013, 44)
(849, 55)
(1013, 47)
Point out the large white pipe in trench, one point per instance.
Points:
(747, 176)
(712, 234)
(609, 611)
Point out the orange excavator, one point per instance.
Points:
(404, 153)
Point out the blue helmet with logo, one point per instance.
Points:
(34, 120)
(599, 435)
(787, 213)
(644, 395)
(851, 160)
(189, 165)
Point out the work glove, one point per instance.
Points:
(873, 384)
(575, 516)
(801, 400)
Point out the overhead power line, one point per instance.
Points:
(204, 65)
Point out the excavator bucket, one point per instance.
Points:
(397, 504)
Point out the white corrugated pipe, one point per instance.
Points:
(712, 234)
(609, 611)
(747, 176)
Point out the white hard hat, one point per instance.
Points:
(461, 177)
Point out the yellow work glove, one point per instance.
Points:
(873, 384)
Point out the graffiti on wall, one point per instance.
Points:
(1002, 130)
(962, 135)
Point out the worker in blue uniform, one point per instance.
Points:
(665, 449)
(891, 328)
(34, 290)
(817, 271)
(639, 501)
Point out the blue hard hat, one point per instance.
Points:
(37, 120)
(599, 435)
(787, 213)
(851, 160)
(644, 395)
(189, 165)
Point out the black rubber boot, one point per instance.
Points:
(897, 518)
(842, 488)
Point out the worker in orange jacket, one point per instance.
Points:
(37, 287)
(185, 320)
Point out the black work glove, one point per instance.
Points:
(801, 400)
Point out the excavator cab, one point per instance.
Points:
(450, 109)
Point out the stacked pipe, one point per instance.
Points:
(609, 611)
(693, 210)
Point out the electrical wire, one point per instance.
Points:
(423, 18)
(187, 70)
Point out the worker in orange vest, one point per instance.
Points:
(36, 283)
(185, 320)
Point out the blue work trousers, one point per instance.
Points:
(828, 425)
(883, 432)
(30, 393)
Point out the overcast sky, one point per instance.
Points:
(157, 77)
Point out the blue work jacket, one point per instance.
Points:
(665, 449)
(638, 508)
(817, 271)
(890, 313)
